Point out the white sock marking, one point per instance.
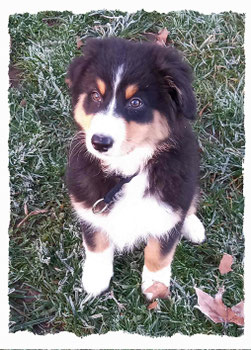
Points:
(97, 271)
(149, 277)
(193, 229)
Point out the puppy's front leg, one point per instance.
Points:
(98, 264)
(157, 268)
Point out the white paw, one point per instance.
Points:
(193, 229)
(97, 272)
(155, 284)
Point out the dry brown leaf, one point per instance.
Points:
(238, 309)
(215, 309)
(68, 82)
(23, 103)
(32, 213)
(32, 294)
(79, 42)
(225, 264)
(153, 305)
(162, 36)
(157, 290)
(159, 38)
(203, 109)
(26, 212)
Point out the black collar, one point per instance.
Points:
(109, 197)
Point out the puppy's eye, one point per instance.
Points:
(135, 103)
(96, 96)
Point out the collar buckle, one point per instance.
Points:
(95, 208)
(110, 196)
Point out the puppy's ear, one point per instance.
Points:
(176, 80)
(75, 70)
(80, 64)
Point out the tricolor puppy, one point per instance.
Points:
(133, 166)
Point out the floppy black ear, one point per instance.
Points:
(79, 65)
(176, 80)
(75, 69)
(73, 78)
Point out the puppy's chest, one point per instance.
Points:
(133, 216)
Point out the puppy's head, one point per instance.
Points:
(129, 95)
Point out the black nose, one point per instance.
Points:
(101, 143)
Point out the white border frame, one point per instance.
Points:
(114, 340)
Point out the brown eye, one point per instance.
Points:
(135, 102)
(96, 96)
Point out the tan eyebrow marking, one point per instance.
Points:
(130, 90)
(101, 86)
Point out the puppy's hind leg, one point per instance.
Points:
(193, 229)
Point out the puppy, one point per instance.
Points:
(133, 166)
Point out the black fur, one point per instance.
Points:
(164, 81)
(88, 234)
(85, 178)
(173, 174)
(168, 241)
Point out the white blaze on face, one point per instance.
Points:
(117, 79)
(107, 123)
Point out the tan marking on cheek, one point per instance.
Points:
(137, 133)
(160, 129)
(154, 260)
(131, 90)
(101, 86)
(149, 133)
(81, 118)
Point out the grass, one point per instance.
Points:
(45, 251)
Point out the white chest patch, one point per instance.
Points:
(133, 217)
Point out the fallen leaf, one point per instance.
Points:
(159, 38)
(32, 213)
(68, 82)
(15, 76)
(153, 305)
(225, 264)
(26, 212)
(32, 294)
(23, 103)
(79, 42)
(216, 310)
(238, 309)
(50, 21)
(157, 290)
(203, 109)
(162, 36)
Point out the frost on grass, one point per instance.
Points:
(42, 252)
(40, 129)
